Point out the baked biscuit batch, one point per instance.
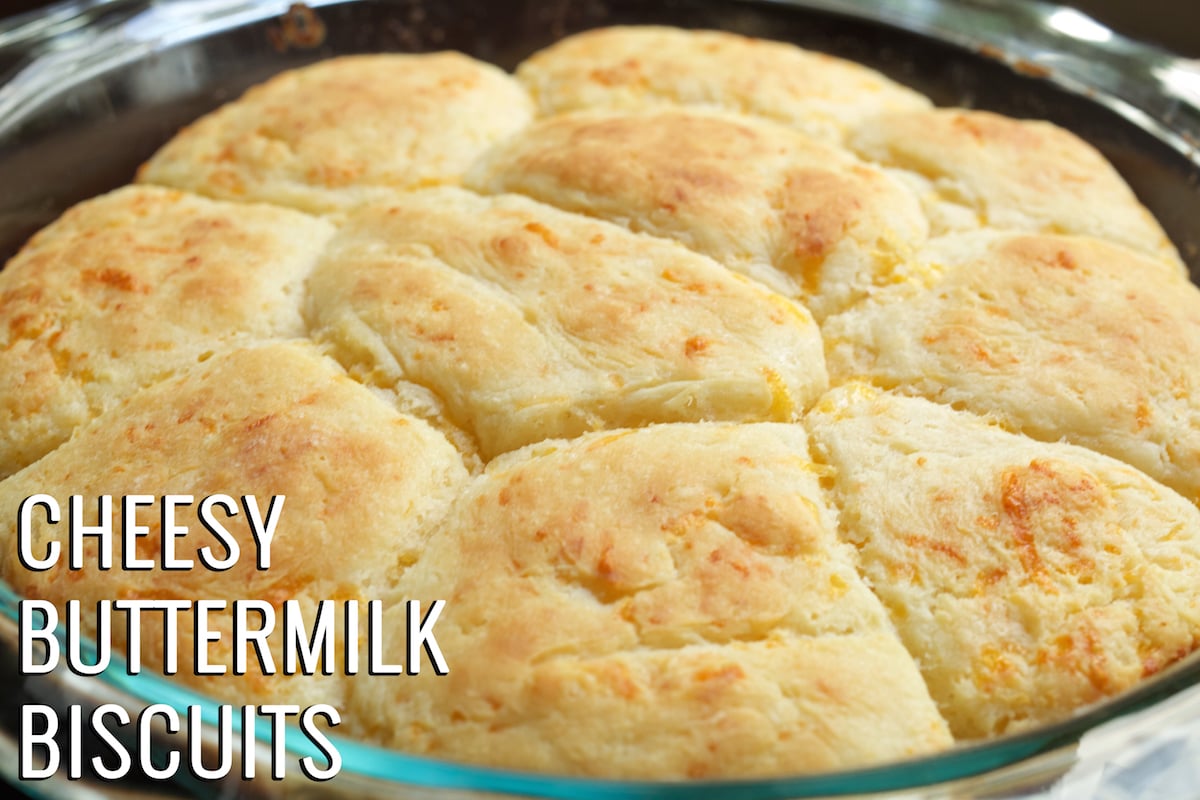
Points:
(751, 415)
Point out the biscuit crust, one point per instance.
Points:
(648, 67)
(1058, 337)
(124, 290)
(346, 131)
(684, 617)
(299, 428)
(1027, 579)
(532, 323)
(805, 218)
(978, 169)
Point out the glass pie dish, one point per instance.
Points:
(94, 88)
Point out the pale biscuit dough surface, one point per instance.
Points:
(1026, 579)
(647, 66)
(530, 322)
(977, 169)
(127, 288)
(347, 130)
(279, 419)
(676, 604)
(805, 218)
(1059, 337)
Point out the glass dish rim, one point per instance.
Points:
(1098, 68)
(965, 760)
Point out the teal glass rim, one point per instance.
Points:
(368, 761)
(1155, 90)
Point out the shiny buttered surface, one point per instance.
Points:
(750, 415)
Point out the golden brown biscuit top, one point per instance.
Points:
(529, 322)
(1027, 579)
(346, 130)
(553, 347)
(279, 419)
(976, 169)
(1059, 337)
(126, 289)
(684, 616)
(648, 66)
(803, 217)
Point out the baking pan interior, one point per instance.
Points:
(94, 132)
(95, 128)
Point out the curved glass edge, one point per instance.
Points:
(65, 27)
(364, 761)
(55, 22)
(1154, 89)
(86, 38)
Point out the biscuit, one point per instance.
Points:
(676, 604)
(1027, 579)
(127, 288)
(326, 137)
(532, 323)
(297, 427)
(1058, 337)
(807, 219)
(976, 169)
(648, 66)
